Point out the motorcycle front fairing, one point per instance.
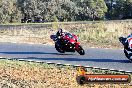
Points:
(53, 37)
(69, 46)
(69, 42)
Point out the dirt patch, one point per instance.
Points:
(102, 34)
(37, 40)
(28, 40)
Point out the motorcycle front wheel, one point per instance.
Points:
(80, 50)
(127, 55)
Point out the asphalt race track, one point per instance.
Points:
(102, 58)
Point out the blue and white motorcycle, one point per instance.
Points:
(127, 43)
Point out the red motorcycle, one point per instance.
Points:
(68, 43)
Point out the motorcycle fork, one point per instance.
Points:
(76, 45)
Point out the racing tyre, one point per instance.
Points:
(127, 55)
(80, 50)
(59, 49)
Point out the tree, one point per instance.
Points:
(91, 9)
(120, 9)
(68, 10)
(9, 11)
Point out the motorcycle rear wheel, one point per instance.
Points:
(59, 49)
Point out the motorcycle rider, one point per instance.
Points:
(128, 42)
(61, 34)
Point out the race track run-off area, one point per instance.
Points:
(94, 57)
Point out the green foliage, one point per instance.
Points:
(9, 11)
(51, 10)
(91, 9)
(123, 8)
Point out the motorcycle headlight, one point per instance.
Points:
(77, 38)
(74, 39)
(58, 37)
(72, 42)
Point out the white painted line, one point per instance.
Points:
(50, 63)
(128, 71)
(104, 68)
(59, 63)
(68, 64)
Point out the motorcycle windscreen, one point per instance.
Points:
(53, 37)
